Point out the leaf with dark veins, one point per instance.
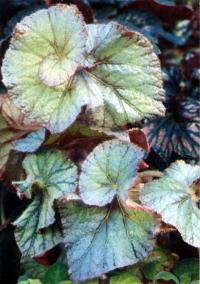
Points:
(99, 240)
(109, 171)
(51, 175)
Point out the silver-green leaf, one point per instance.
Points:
(176, 197)
(46, 50)
(30, 241)
(99, 240)
(123, 78)
(50, 175)
(108, 171)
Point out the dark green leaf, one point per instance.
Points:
(167, 276)
(56, 273)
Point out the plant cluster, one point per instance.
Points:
(99, 138)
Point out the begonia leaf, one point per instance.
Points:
(109, 171)
(99, 240)
(175, 196)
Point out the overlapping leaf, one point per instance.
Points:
(121, 61)
(178, 132)
(50, 175)
(109, 171)
(30, 241)
(175, 196)
(12, 127)
(111, 82)
(38, 77)
(102, 239)
(31, 142)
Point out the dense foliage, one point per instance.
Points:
(99, 141)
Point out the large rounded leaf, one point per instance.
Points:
(99, 240)
(46, 49)
(123, 78)
(50, 175)
(108, 171)
(176, 198)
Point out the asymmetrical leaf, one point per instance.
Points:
(30, 241)
(123, 79)
(99, 240)
(175, 196)
(46, 49)
(108, 171)
(50, 175)
(31, 142)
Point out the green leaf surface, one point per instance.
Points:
(50, 175)
(167, 276)
(189, 266)
(99, 240)
(56, 273)
(29, 281)
(158, 260)
(108, 171)
(46, 49)
(125, 278)
(175, 197)
(30, 241)
(31, 142)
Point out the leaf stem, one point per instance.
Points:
(150, 173)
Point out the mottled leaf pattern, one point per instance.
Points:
(176, 198)
(108, 171)
(50, 175)
(178, 132)
(98, 240)
(30, 241)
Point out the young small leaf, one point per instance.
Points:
(108, 171)
(176, 198)
(50, 175)
(99, 240)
